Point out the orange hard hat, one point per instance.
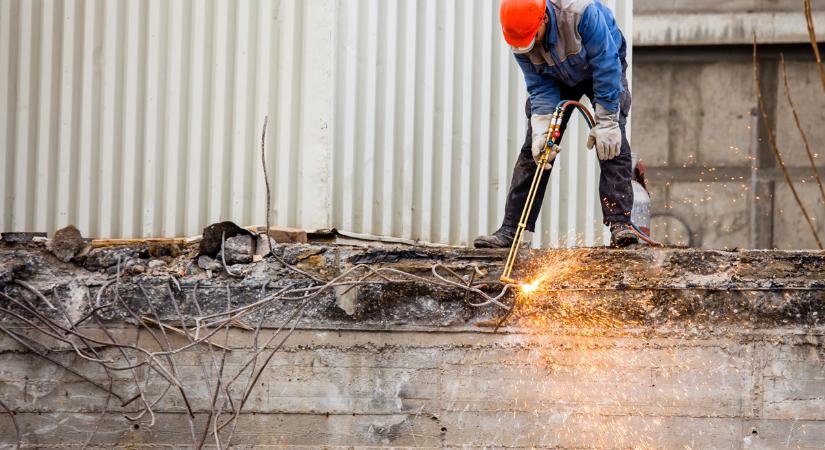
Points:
(520, 21)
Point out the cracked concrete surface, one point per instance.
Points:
(707, 349)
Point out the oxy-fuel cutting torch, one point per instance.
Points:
(553, 137)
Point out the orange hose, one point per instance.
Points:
(645, 238)
(581, 108)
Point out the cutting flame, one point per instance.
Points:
(529, 288)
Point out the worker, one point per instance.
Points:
(567, 49)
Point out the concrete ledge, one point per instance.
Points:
(643, 287)
(724, 28)
(647, 348)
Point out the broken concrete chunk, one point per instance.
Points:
(262, 249)
(239, 249)
(207, 263)
(77, 299)
(14, 268)
(159, 251)
(66, 243)
(129, 263)
(191, 269)
(346, 298)
(211, 243)
(23, 236)
(314, 262)
(106, 257)
(155, 263)
(288, 235)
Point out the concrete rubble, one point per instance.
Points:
(647, 348)
(66, 243)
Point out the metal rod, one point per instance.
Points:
(528, 204)
(550, 143)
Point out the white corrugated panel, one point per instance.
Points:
(428, 120)
(134, 118)
(142, 117)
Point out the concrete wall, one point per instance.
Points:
(697, 127)
(710, 162)
(437, 388)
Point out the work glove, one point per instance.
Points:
(540, 123)
(605, 135)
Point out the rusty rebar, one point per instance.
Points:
(135, 356)
(799, 127)
(13, 422)
(772, 140)
(809, 20)
(266, 182)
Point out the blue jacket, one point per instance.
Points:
(582, 41)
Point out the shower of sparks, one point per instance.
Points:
(555, 294)
(595, 384)
(593, 374)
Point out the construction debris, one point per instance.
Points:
(12, 236)
(376, 346)
(637, 287)
(66, 243)
(288, 235)
(12, 267)
(214, 235)
(207, 263)
(239, 249)
(156, 263)
(262, 247)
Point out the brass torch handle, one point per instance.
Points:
(531, 196)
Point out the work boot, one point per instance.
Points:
(502, 238)
(622, 236)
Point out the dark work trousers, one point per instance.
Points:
(615, 190)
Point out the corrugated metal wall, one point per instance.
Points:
(429, 116)
(142, 118)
